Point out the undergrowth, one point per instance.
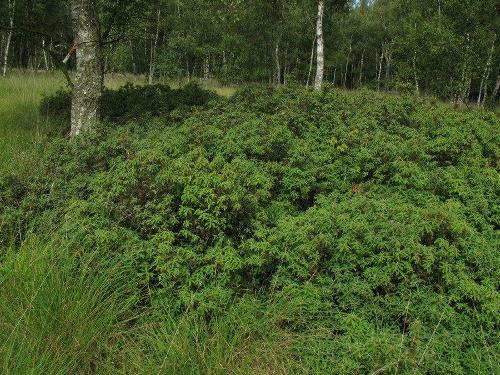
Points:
(284, 231)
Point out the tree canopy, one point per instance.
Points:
(447, 48)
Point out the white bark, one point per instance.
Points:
(483, 88)
(311, 61)
(89, 70)
(45, 60)
(360, 82)
(320, 51)
(206, 68)
(497, 87)
(134, 67)
(2, 43)
(388, 60)
(415, 74)
(277, 78)
(12, 9)
(380, 68)
(153, 50)
(347, 62)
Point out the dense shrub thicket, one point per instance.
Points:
(370, 222)
(132, 102)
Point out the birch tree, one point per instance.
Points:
(320, 47)
(12, 10)
(89, 67)
(154, 46)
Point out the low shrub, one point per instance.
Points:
(376, 217)
(132, 102)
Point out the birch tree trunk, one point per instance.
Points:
(277, 78)
(497, 87)
(417, 86)
(360, 81)
(153, 50)
(45, 60)
(388, 60)
(89, 77)
(311, 62)
(320, 51)
(483, 88)
(379, 74)
(347, 62)
(12, 9)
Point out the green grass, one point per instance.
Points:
(58, 312)
(23, 129)
(62, 312)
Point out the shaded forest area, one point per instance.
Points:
(446, 48)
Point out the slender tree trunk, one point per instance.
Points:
(379, 74)
(360, 81)
(347, 62)
(311, 61)
(153, 49)
(89, 77)
(2, 43)
(277, 77)
(388, 59)
(45, 60)
(483, 88)
(206, 68)
(320, 52)
(134, 66)
(334, 76)
(285, 73)
(415, 74)
(494, 93)
(12, 9)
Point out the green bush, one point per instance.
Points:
(366, 224)
(132, 102)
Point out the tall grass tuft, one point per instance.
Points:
(60, 314)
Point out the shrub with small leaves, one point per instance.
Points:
(368, 221)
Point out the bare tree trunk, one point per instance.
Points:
(380, 68)
(483, 88)
(388, 59)
(277, 77)
(89, 77)
(134, 66)
(320, 52)
(334, 76)
(311, 62)
(285, 73)
(360, 81)
(347, 62)
(153, 49)
(206, 68)
(415, 75)
(12, 9)
(45, 60)
(494, 93)
(2, 43)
